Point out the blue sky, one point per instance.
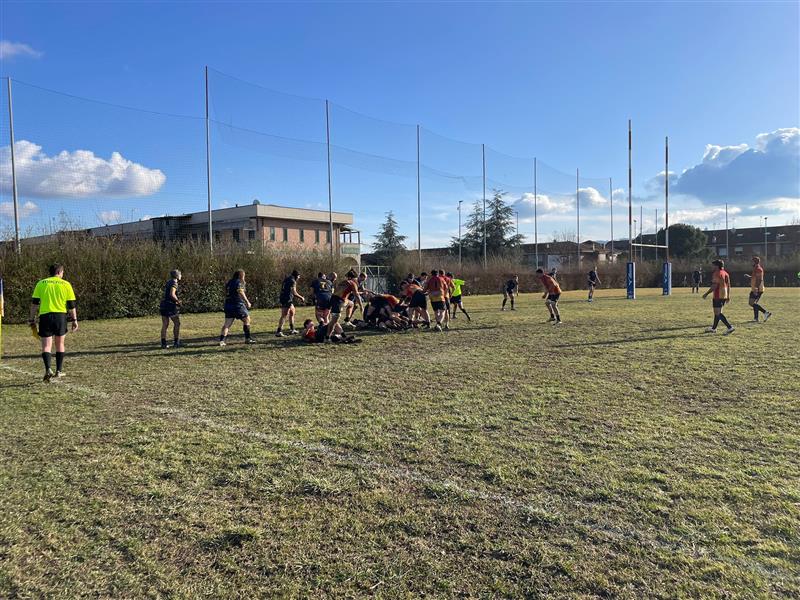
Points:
(553, 80)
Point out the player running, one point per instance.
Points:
(169, 310)
(552, 291)
(757, 289)
(236, 307)
(721, 288)
(287, 298)
(53, 301)
(510, 290)
(593, 282)
(697, 279)
(455, 299)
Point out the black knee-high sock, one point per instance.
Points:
(246, 332)
(512, 301)
(59, 361)
(46, 357)
(724, 320)
(755, 311)
(464, 310)
(759, 308)
(163, 341)
(504, 302)
(716, 321)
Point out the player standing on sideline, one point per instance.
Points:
(288, 294)
(697, 279)
(552, 291)
(757, 289)
(721, 287)
(169, 310)
(236, 307)
(455, 299)
(53, 301)
(593, 281)
(510, 290)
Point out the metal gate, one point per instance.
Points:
(377, 278)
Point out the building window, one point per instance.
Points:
(302, 235)
(217, 236)
(251, 235)
(738, 250)
(327, 236)
(235, 235)
(271, 234)
(722, 251)
(285, 234)
(316, 236)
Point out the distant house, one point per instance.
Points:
(265, 224)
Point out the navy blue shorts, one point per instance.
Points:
(323, 302)
(168, 309)
(236, 311)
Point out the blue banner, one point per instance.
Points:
(630, 281)
(666, 277)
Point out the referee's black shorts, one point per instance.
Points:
(52, 324)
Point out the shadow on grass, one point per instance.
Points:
(628, 340)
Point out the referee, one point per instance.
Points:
(53, 300)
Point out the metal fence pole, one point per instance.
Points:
(419, 209)
(13, 169)
(483, 159)
(535, 216)
(208, 172)
(330, 189)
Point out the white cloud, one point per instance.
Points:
(108, 217)
(591, 196)
(770, 169)
(544, 204)
(77, 174)
(12, 49)
(703, 216)
(26, 210)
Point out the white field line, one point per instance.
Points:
(411, 475)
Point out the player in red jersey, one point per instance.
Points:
(757, 289)
(552, 291)
(721, 288)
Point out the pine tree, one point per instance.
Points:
(472, 238)
(501, 236)
(388, 242)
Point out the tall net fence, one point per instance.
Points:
(83, 164)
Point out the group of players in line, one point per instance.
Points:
(53, 305)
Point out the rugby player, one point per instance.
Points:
(323, 289)
(236, 307)
(455, 299)
(552, 291)
(510, 290)
(436, 288)
(697, 279)
(757, 290)
(593, 281)
(318, 335)
(53, 301)
(721, 288)
(169, 310)
(287, 298)
(342, 300)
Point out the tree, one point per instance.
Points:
(388, 242)
(501, 236)
(685, 241)
(472, 238)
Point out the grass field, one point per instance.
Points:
(623, 454)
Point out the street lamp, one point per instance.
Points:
(765, 239)
(459, 233)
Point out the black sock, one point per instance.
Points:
(716, 321)
(46, 357)
(512, 303)
(724, 320)
(221, 338)
(504, 302)
(755, 311)
(246, 331)
(759, 308)
(59, 361)
(163, 341)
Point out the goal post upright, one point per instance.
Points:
(630, 278)
(666, 273)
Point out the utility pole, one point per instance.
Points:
(459, 233)
(330, 188)
(483, 158)
(419, 210)
(535, 216)
(765, 239)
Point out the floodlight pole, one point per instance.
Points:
(419, 211)
(765, 239)
(483, 158)
(13, 168)
(330, 189)
(655, 242)
(727, 237)
(535, 216)
(641, 230)
(630, 196)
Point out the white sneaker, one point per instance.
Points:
(280, 334)
(711, 330)
(222, 343)
(437, 328)
(767, 315)
(729, 331)
(293, 332)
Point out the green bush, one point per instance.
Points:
(114, 279)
